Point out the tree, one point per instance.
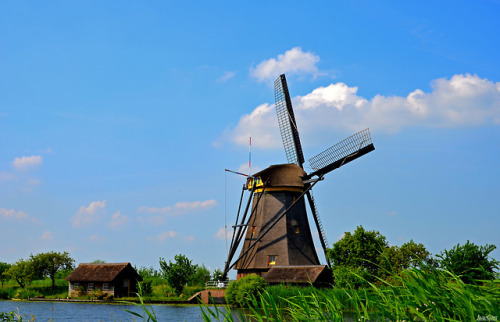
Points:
(98, 261)
(146, 272)
(22, 272)
(200, 276)
(3, 268)
(178, 273)
(217, 274)
(48, 264)
(470, 261)
(394, 259)
(361, 249)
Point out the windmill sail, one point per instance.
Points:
(341, 153)
(286, 120)
(291, 143)
(319, 224)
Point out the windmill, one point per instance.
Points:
(277, 231)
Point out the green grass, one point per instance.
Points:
(426, 295)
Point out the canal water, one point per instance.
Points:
(64, 311)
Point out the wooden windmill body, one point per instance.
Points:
(276, 234)
(289, 242)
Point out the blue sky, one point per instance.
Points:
(118, 119)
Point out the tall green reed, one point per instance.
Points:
(426, 294)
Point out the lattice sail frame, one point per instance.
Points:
(344, 148)
(287, 123)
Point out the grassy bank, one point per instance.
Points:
(38, 288)
(43, 288)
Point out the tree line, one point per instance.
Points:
(357, 259)
(38, 266)
(365, 256)
(177, 274)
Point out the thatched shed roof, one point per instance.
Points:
(102, 272)
(303, 274)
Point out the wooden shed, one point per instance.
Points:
(317, 275)
(117, 279)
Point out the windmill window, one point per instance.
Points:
(253, 230)
(272, 260)
(295, 226)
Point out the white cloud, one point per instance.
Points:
(180, 208)
(261, 125)
(24, 163)
(47, 235)
(12, 214)
(462, 100)
(184, 207)
(118, 220)
(222, 235)
(226, 76)
(293, 61)
(88, 215)
(163, 236)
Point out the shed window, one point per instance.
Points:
(90, 286)
(105, 286)
(272, 260)
(76, 285)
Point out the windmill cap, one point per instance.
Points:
(282, 175)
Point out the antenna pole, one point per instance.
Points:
(250, 158)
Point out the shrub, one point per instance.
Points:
(191, 290)
(80, 290)
(164, 290)
(240, 292)
(146, 287)
(7, 293)
(348, 277)
(470, 262)
(99, 294)
(24, 294)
